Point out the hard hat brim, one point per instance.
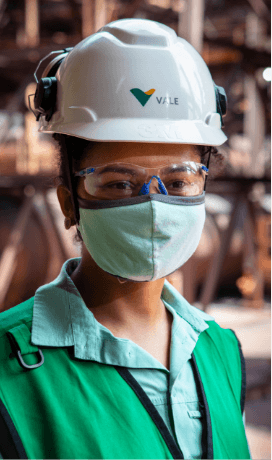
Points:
(194, 132)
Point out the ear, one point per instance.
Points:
(65, 201)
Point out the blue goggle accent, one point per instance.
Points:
(145, 188)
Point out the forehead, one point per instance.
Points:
(143, 154)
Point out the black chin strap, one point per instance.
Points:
(208, 162)
(72, 187)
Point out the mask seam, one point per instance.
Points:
(102, 204)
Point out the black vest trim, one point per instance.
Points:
(206, 441)
(151, 409)
(10, 445)
(243, 369)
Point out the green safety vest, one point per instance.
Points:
(71, 408)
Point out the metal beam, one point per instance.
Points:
(87, 18)
(254, 126)
(113, 9)
(9, 255)
(259, 7)
(211, 282)
(191, 22)
(14, 104)
(100, 14)
(130, 8)
(58, 254)
(32, 35)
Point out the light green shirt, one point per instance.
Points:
(61, 318)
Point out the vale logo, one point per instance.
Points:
(141, 96)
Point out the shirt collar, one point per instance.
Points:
(60, 314)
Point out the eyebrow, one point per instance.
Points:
(119, 169)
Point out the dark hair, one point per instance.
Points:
(77, 149)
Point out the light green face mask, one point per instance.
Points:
(143, 238)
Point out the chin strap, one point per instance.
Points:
(69, 169)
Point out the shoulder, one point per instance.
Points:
(223, 345)
(220, 333)
(21, 313)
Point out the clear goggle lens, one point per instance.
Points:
(124, 180)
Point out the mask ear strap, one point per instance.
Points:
(208, 162)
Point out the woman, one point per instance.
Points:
(126, 368)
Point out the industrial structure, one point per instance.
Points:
(234, 255)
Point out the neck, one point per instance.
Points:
(126, 305)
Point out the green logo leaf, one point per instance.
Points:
(141, 96)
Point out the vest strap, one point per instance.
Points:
(11, 444)
(20, 341)
(243, 369)
(207, 443)
(151, 409)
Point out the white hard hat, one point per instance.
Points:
(135, 80)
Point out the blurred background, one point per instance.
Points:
(229, 276)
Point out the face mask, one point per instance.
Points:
(143, 238)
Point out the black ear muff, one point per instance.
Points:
(45, 97)
(221, 102)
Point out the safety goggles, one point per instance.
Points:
(123, 180)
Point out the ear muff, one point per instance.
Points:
(45, 97)
(221, 102)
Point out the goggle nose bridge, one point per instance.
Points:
(145, 188)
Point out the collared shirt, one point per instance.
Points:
(61, 318)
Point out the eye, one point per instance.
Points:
(177, 184)
(183, 188)
(120, 185)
